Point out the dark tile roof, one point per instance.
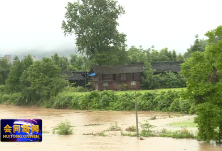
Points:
(70, 75)
(118, 69)
(162, 67)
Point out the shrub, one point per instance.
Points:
(114, 127)
(131, 129)
(63, 128)
(2, 88)
(80, 89)
(165, 99)
(185, 106)
(146, 102)
(146, 129)
(175, 106)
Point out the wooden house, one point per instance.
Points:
(76, 77)
(162, 67)
(115, 77)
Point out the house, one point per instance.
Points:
(114, 77)
(162, 67)
(76, 77)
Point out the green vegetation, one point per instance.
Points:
(109, 100)
(204, 86)
(167, 80)
(183, 133)
(93, 124)
(128, 134)
(63, 128)
(40, 83)
(114, 127)
(96, 30)
(188, 123)
(131, 129)
(102, 134)
(146, 129)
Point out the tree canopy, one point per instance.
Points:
(94, 23)
(204, 85)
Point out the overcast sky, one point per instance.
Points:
(36, 24)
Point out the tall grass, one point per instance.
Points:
(63, 128)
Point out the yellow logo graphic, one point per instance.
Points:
(8, 129)
(25, 128)
(16, 128)
(35, 128)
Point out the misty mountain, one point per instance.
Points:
(40, 54)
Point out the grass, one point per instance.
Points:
(93, 124)
(187, 123)
(45, 131)
(67, 91)
(102, 133)
(114, 127)
(63, 128)
(128, 134)
(131, 129)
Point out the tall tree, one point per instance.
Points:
(147, 77)
(204, 86)
(94, 23)
(13, 83)
(46, 80)
(4, 70)
(174, 55)
(199, 45)
(55, 59)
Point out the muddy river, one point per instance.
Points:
(113, 141)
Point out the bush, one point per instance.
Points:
(185, 106)
(165, 99)
(146, 129)
(175, 106)
(63, 128)
(80, 89)
(146, 102)
(2, 88)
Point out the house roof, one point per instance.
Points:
(166, 66)
(118, 69)
(70, 75)
(160, 67)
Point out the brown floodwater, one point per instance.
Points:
(112, 142)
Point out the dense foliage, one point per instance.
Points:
(204, 85)
(94, 24)
(108, 100)
(33, 82)
(4, 70)
(167, 80)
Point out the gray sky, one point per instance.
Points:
(36, 24)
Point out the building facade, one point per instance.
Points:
(77, 77)
(128, 76)
(117, 77)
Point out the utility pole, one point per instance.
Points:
(137, 131)
(85, 75)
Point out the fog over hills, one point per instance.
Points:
(42, 53)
